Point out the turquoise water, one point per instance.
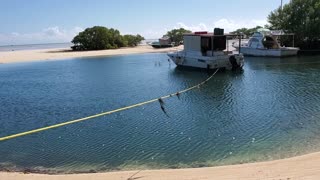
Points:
(34, 46)
(270, 111)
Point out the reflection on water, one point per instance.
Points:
(269, 111)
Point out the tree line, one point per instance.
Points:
(176, 35)
(246, 31)
(301, 17)
(99, 38)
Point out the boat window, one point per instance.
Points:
(269, 43)
(205, 44)
(253, 41)
(219, 44)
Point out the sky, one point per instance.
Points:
(55, 21)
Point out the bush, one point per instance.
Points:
(301, 17)
(176, 35)
(99, 38)
(132, 40)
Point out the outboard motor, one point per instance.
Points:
(234, 64)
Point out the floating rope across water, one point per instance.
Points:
(108, 112)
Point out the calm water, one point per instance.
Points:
(34, 46)
(270, 111)
(48, 46)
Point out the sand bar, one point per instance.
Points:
(55, 54)
(302, 167)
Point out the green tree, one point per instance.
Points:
(176, 35)
(301, 17)
(246, 31)
(98, 38)
(95, 38)
(132, 40)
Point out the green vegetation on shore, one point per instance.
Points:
(246, 31)
(176, 35)
(301, 17)
(99, 38)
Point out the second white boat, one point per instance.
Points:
(264, 43)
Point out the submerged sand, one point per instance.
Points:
(55, 54)
(303, 167)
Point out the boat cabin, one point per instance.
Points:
(260, 40)
(165, 41)
(205, 42)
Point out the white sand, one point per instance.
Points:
(303, 167)
(53, 54)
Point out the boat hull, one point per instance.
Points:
(282, 52)
(162, 46)
(207, 62)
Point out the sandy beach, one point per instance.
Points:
(303, 167)
(55, 54)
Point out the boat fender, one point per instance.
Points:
(234, 63)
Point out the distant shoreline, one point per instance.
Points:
(11, 45)
(300, 167)
(22, 47)
(66, 53)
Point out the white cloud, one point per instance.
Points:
(231, 25)
(47, 35)
(56, 34)
(227, 24)
(154, 34)
(199, 27)
(53, 31)
(15, 34)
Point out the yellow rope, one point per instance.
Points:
(102, 114)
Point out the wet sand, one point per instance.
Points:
(302, 167)
(55, 54)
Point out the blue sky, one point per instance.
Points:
(47, 21)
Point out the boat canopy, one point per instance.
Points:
(265, 32)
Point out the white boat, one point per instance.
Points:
(163, 42)
(208, 51)
(264, 43)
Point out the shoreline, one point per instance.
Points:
(66, 53)
(300, 167)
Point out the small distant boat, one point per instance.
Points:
(163, 42)
(208, 51)
(264, 43)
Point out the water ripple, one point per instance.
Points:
(269, 111)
